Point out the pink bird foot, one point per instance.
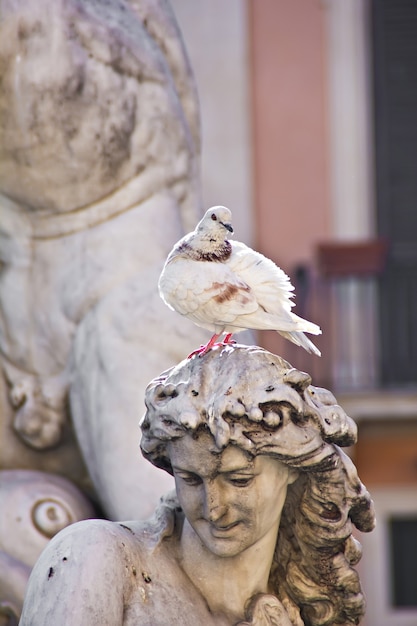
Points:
(211, 344)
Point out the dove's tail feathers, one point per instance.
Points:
(305, 326)
(300, 339)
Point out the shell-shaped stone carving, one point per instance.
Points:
(34, 507)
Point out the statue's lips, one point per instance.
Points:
(221, 531)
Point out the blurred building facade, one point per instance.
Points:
(309, 135)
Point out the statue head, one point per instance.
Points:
(247, 399)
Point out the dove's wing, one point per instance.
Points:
(207, 292)
(272, 289)
(270, 285)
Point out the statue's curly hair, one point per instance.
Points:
(251, 398)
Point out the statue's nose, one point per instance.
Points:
(215, 505)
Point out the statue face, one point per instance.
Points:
(230, 499)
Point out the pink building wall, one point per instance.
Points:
(290, 135)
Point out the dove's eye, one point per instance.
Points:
(214, 217)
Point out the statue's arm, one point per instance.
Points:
(79, 578)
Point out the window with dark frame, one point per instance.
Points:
(402, 532)
(394, 54)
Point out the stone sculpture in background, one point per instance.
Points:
(260, 529)
(99, 157)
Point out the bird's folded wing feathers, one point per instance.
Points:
(209, 286)
(270, 284)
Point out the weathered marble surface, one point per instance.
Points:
(99, 150)
(260, 530)
(99, 157)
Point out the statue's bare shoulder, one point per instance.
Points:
(115, 573)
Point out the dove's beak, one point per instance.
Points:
(228, 227)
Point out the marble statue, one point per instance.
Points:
(259, 531)
(99, 153)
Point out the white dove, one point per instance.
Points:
(226, 287)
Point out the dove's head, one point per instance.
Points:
(216, 223)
